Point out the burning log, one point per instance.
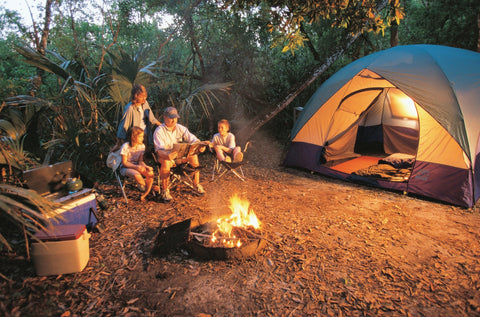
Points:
(244, 244)
(237, 237)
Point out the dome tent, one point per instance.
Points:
(366, 103)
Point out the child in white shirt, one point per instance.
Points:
(224, 144)
(133, 165)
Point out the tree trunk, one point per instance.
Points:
(478, 22)
(394, 34)
(247, 131)
(41, 46)
(256, 123)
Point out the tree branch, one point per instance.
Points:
(256, 123)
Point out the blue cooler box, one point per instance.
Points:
(79, 209)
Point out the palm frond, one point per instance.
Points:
(128, 69)
(206, 96)
(25, 100)
(36, 59)
(26, 208)
(8, 128)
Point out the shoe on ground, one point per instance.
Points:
(200, 189)
(228, 159)
(238, 157)
(141, 188)
(165, 195)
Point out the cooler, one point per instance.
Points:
(80, 209)
(64, 249)
(49, 181)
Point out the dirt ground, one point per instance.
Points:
(332, 249)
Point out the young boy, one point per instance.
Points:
(224, 144)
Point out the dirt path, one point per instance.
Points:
(333, 249)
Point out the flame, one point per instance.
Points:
(241, 217)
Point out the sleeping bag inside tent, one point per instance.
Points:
(406, 118)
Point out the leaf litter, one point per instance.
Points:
(333, 249)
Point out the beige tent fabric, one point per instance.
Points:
(395, 141)
(323, 125)
(436, 145)
(343, 147)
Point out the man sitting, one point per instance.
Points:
(164, 138)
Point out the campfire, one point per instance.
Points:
(232, 231)
(235, 236)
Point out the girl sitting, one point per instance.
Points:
(133, 165)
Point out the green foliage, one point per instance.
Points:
(288, 16)
(211, 63)
(15, 75)
(14, 126)
(443, 22)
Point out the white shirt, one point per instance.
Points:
(133, 153)
(164, 139)
(228, 141)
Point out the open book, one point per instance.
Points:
(188, 149)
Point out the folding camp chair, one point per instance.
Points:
(127, 181)
(122, 185)
(113, 161)
(180, 173)
(220, 168)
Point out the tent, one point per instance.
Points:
(406, 118)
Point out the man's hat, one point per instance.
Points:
(171, 112)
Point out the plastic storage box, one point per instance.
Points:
(80, 210)
(64, 249)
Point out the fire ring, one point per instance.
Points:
(201, 246)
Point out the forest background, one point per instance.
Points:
(66, 74)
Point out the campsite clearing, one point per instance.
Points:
(335, 248)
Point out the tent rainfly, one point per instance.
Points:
(410, 113)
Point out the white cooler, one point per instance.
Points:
(64, 249)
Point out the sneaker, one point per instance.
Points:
(238, 157)
(200, 189)
(166, 195)
(141, 188)
(228, 159)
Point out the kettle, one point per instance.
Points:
(74, 185)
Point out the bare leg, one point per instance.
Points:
(139, 179)
(165, 173)
(149, 183)
(193, 160)
(237, 154)
(219, 153)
